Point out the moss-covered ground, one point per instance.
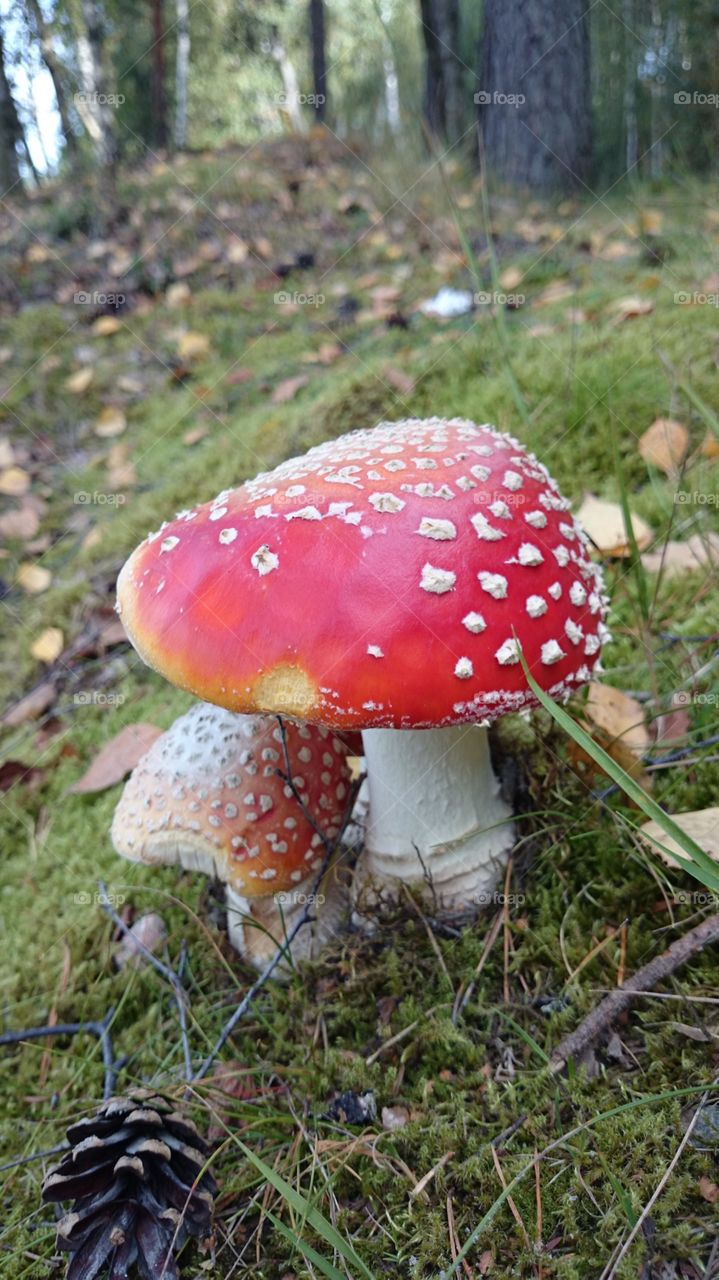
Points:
(579, 376)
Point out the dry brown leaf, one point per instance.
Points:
(7, 454)
(194, 435)
(14, 482)
(651, 222)
(178, 294)
(23, 522)
(603, 522)
(31, 706)
(555, 292)
(117, 758)
(618, 716)
(676, 558)
(398, 379)
(79, 381)
(615, 249)
(630, 308)
(395, 1117)
(287, 390)
(701, 824)
(148, 931)
(48, 646)
(710, 445)
(263, 247)
(237, 251)
(664, 444)
(193, 346)
(33, 578)
(105, 326)
(111, 422)
(708, 1190)
(511, 277)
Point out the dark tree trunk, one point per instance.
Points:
(443, 68)
(536, 51)
(157, 82)
(319, 57)
(36, 22)
(10, 131)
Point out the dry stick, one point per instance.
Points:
(99, 1029)
(167, 973)
(601, 1018)
(463, 1000)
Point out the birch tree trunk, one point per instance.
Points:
(94, 101)
(36, 22)
(182, 72)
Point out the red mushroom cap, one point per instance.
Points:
(209, 795)
(378, 581)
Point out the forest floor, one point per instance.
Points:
(271, 300)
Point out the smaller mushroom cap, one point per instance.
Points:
(209, 795)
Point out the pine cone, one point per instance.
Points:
(130, 1173)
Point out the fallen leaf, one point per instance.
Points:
(710, 444)
(14, 482)
(178, 294)
(672, 726)
(23, 522)
(48, 646)
(13, 772)
(237, 251)
(664, 444)
(708, 1190)
(676, 558)
(556, 292)
(238, 376)
(193, 346)
(511, 277)
(287, 390)
(701, 824)
(33, 578)
(651, 222)
(615, 249)
(105, 326)
(398, 379)
(79, 382)
(117, 758)
(630, 308)
(7, 454)
(31, 706)
(111, 422)
(194, 435)
(148, 931)
(395, 1117)
(616, 721)
(603, 522)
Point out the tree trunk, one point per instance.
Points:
(443, 68)
(10, 131)
(631, 137)
(182, 72)
(535, 100)
(319, 57)
(157, 79)
(93, 103)
(290, 98)
(36, 21)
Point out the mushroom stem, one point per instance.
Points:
(435, 814)
(258, 926)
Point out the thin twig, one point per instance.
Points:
(99, 1029)
(601, 1018)
(167, 973)
(37, 1155)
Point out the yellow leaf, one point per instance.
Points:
(650, 222)
(178, 294)
(630, 308)
(618, 715)
(33, 578)
(111, 422)
(701, 824)
(48, 646)
(79, 382)
(664, 444)
(511, 277)
(603, 522)
(14, 482)
(104, 326)
(237, 251)
(193, 346)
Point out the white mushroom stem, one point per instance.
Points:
(258, 926)
(435, 815)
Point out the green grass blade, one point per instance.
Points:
(699, 863)
(327, 1268)
(306, 1210)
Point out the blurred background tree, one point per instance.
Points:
(627, 85)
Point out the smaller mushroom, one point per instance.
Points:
(212, 795)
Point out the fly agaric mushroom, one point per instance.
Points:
(211, 794)
(383, 582)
